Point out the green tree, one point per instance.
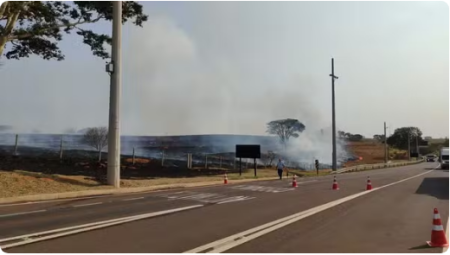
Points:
(399, 139)
(446, 142)
(285, 129)
(35, 27)
(355, 137)
(379, 138)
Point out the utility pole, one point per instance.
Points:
(385, 145)
(333, 77)
(409, 145)
(114, 100)
(417, 146)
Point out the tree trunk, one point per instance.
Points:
(99, 155)
(10, 22)
(3, 41)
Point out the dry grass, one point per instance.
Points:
(246, 174)
(19, 183)
(372, 152)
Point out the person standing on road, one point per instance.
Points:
(280, 167)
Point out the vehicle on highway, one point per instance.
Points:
(443, 158)
(431, 158)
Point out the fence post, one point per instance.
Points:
(162, 158)
(133, 157)
(189, 161)
(206, 161)
(61, 148)
(16, 145)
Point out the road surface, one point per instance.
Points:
(265, 216)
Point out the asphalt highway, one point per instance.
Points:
(394, 218)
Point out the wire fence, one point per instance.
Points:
(190, 157)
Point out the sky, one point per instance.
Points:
(231, 67)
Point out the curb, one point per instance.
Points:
(376, 166)
(113, 191)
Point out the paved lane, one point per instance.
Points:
(217, 221)
(393, 220)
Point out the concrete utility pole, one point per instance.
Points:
(409, 145)
(114, 100)
(417, 146)
(333, 77)
(385, 145)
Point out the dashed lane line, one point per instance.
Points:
(20, 213)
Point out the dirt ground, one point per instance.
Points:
(372, 152)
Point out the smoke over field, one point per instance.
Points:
(303, 150)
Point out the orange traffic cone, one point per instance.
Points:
(438, 238)
(369, 184)
(335, 184)
(225, 179)
(294, 181)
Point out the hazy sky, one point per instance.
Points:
(230, 67)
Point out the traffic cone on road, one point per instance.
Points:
(369, 184)
(438, 238)
(294, 181)
(335, 184)
(225, 179)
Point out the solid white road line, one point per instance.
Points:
(50, 201)
(20, 213)
(248, 235)
(87, 204)
(86, 227)
(134, 198)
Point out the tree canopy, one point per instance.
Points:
(35, 27)
(285, 129)
(379, 138)
(349, 136)
(399, 139)
(96, 137)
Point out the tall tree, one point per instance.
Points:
(379, 138)
(35, 27)
(285, 129)
(399, 139)
(97, 138)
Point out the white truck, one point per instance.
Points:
(443, 158)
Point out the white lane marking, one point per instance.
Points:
(87, 204)
(280, 191)
(85, 227)
(306, 182)
(20, 213)
(236, 200)
(50, 201)
(248, 235)
(133, 198)
(204, 197)
(261, 188)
